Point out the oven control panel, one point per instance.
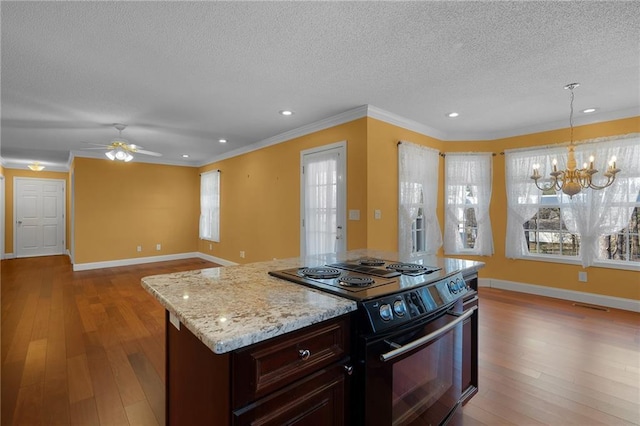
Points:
(396, 309)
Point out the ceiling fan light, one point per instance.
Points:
(111, 155)
(128, 157)
(35, 166)
(121, 155)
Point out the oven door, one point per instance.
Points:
(413, 376)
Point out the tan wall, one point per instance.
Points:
(119, 206)
(260, 196)
(382, 180)
(605, 281)
(9, 175)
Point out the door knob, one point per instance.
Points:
(19, 222)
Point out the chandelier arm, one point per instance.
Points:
(610, 180)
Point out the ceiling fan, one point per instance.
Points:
(120, 149)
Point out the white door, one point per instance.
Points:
(39, 217)
(323, 200)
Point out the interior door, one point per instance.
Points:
(39, 217)
(323, 200)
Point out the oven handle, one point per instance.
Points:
(429, 337)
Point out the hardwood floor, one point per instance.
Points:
(546, 361)
(82, 348)
(88, 348)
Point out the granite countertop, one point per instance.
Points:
(231, 307)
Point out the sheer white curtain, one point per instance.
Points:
(418, 188)
(523, 198)
(468, 178)
(321, 203)
(592, 214)
(210, 206)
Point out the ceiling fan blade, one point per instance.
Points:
(143, 151)
(104, 148)
(96, 144)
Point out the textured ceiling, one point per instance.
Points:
(184, 74)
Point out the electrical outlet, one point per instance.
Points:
(139, 248)
(158, 247)
(210, 246)
(377, 214)
(242, 254)
(582, 276)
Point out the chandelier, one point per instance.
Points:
(573, 180)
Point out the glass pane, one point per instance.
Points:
(549, 218)
(549, 242)
(469, 237)
(570, 245)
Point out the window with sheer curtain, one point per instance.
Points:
(595, 227)
(210, 206)
(418, 226)
(467, 226)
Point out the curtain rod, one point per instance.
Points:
(211, 171)
(444, 154)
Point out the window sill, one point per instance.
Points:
(627, 266)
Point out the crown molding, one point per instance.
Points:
(344, 117)
(580, 120)
(22, 165)
(405, 123)
(136, 159)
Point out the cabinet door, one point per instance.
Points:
(317, 400)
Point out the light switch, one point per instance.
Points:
(354, 214)
(377, 214)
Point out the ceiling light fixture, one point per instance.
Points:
(222, 140)
(286, 112)
(119, 154)
(453, 115)
(572, 180)
(36, 166)
(588, 110)
(185, 155)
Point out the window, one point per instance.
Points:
(594, 227)
(546, 232)
(623, 246)
(418, 227)
(467, 226)
(210, 206)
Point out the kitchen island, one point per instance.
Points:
(243, 345)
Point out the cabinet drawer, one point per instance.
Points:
(265, 367)
(317, 399)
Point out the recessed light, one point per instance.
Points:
(222, 140)
(286, 112)
(185, 155)
(452, 114)
(589, 110)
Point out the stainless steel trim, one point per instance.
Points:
(429, 337)
(473, 299)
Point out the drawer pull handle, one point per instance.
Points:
(304, 354)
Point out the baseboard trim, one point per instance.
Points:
(217, 260)
(150, 259)
(558, 293)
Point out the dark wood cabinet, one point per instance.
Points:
(297, 378)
